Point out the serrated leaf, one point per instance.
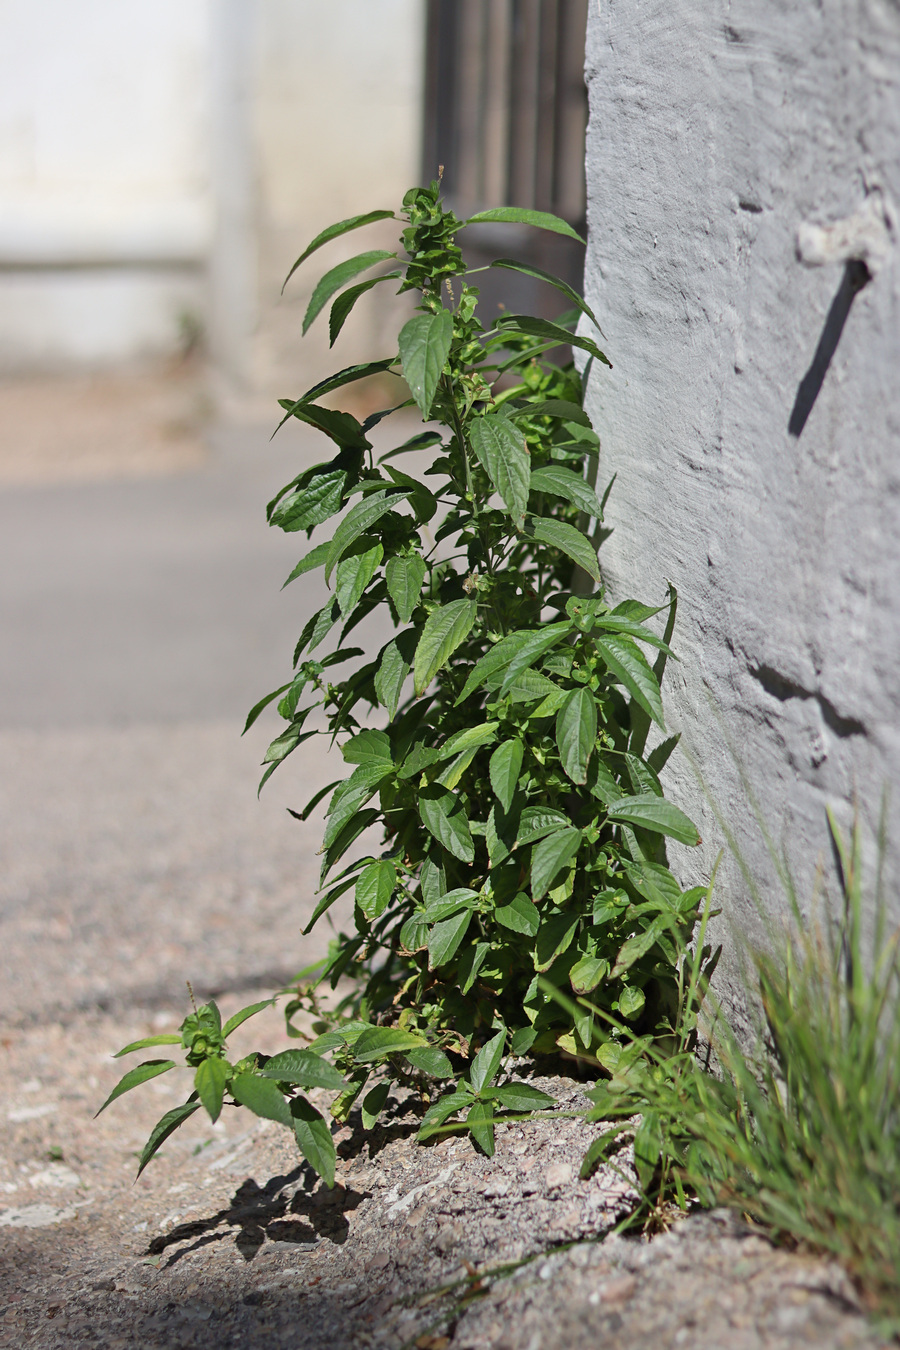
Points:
(521, 215)
(368, 747)
(445, 937)
(239, 1017)
(442, 906)
(310, 506)
(166, 1038)
(536, 821)
(487, 1062)
(480, 1120)
(522, 1097)
(532, 646)
(520, 915)
(314, 1138)
(209, 1082)
(576, 733)
(404, 575)
(304, 1068)
(165, 1126)
(443, 816)
(632, 669)
(374, 888)
(502, 452)
(359, 520)
(334, 231)
(587, 973)
(372, 1104)
(262, 1097)
(441, 1111)
(631, 1001)
(562, 482)
(337, 277)
(505, 767)
(548, 858)
(444, 630)
(470, 738)
(650, 812)
(151, 1068)
(424, 347)
(394, 665)
(564, 537)
(354, 572)
(379, 1042)
(432, 1061)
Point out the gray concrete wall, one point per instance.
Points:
(760, 476)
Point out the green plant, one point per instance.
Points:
(523, 820)
(803, 1135)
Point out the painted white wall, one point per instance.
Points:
(717, 130)
(105, 207)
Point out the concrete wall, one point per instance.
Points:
(753, 415)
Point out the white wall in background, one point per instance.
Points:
(718, 131)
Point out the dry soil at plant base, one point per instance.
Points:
(229, 1239)
(135, 856)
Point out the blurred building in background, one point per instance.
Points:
(163, 162)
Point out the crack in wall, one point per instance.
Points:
(782, 688)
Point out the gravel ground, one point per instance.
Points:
(135, 856)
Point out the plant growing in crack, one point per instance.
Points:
(500, 740)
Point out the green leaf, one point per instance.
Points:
(550, 332)
(311, 506)
(337, 277)
(431, 1061)
(576, 732)
(444, 630)
(562, 482)
(502, 451)
(344, 303)
(522, 1041)
(487, 1062)
(470, 738)
(250, 1011)
(609, 623)
(493, 661)
(560, 535)
(587, 973)
(373, 1104)
(631, 668)
(379, 1042)
(167, 1125)
(442, 906)
(393, 668)
(346, 376)
(520, 915)
(333, 231)
(654, 813)
(648, 1145)
(166, 1038)
(342, 427)
(533, 645)
(637, 946)
(480, 1120)
(151, 1068)
(603, 1145)
(443, 816)
(424, 347)
(374, 888)
(523, 1097)
(304, 1068)
(354, 572)
(359, 520)
(368, 747)
(445, 937)
(554, 937)
(440, 1111)
(314, 1139)
(529, 270)
(520, 215)
(262, 1097)
(536, 821)
(631, 1001)
(209, 1081)
(404, 575)
(505, 767)
(550, 856)
(313, 559)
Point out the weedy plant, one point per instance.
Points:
(803, 1134)
(506, 758)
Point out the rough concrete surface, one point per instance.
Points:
(753, 412)
(144, 616)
